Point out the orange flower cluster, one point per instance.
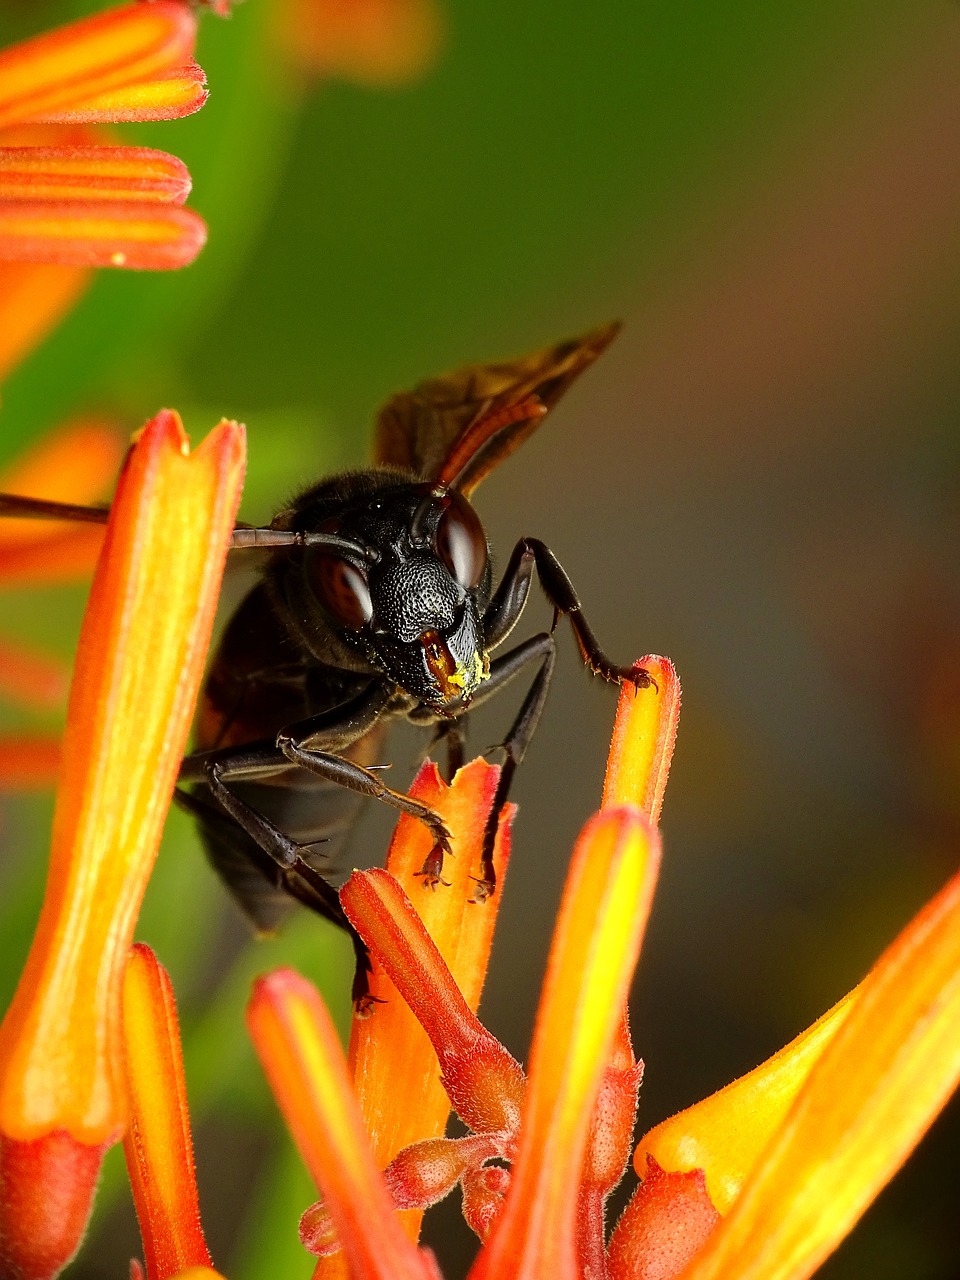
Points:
(759, 1182)
(69, 202)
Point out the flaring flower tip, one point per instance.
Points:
(881, 1079)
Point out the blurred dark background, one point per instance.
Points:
(761, 479)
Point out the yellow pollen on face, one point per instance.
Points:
(458, 678)
(462, 679)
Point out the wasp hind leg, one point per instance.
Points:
(511, 596)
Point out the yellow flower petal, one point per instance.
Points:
(871, 1096)
(725, 1134)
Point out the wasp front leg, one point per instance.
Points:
(501, 616)
(507, 604)
(297, 745)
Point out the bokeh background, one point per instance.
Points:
(761, 479)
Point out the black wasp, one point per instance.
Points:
(376, 601)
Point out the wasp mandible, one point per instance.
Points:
(375, 602)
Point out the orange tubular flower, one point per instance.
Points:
(157, 1144)
(298, 1046)
(885, 1061)
(644, 734)
(390, 1054)
(64, 206)
(595, 948)
(139, 664)
(759, 1182)
(605, 910)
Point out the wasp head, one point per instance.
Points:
(403, 588)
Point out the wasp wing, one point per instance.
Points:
(418, 430)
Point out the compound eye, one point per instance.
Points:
(341, 588)
(461, 543)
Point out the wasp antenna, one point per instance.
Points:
(342, 546)
(245, 536)
(16, 504)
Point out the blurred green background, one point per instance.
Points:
(760, 479)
